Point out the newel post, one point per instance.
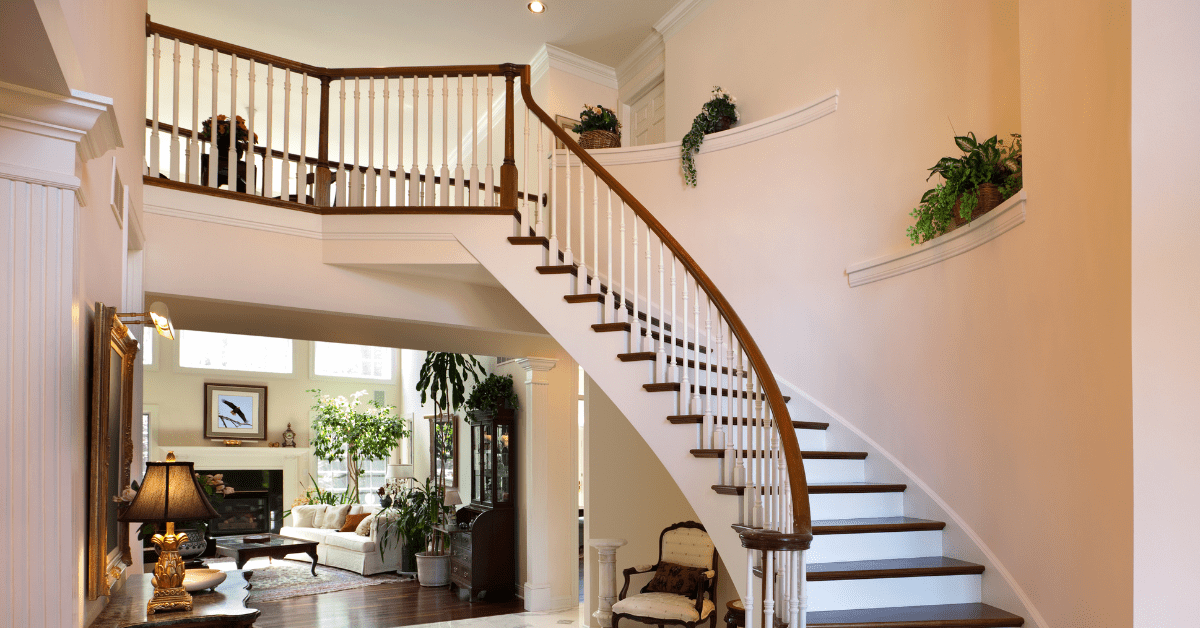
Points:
(508, 170)
(607, 548)
(321, 194)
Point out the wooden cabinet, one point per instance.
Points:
(483, 540)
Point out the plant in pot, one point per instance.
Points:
(348, 429)
(598, 128)
(443, 378)
(718, 114)
(411, 522)
(493, 394)
(973, 184)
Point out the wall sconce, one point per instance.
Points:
(158, 315)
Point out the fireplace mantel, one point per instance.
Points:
(295, 462)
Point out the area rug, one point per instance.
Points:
(279, 579)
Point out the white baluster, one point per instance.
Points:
(268, 153)
(739, 471)
(685, 384)
(155, 136)
(371, 187)
(445, 194)
(552, 250)
(610, 299)
(624, 294)
(414, 177)
(400, 195)
(748, 601)
(581, 286)
(232, 174)
(460, 185)
(526, 219)
(473, 197)
(489, 188)
(644, 339)
(709, 429)
(635, 339)
(672, 365)
(595, 287)
(285, 181)
(568, 255)
(720, 440)
(356, 173)
(768, 584)
(800, 615)
(385, 186)
(251, 165)
(343, 175)
(174, 169)
(540, 226)
(193, 152)
(731, 441)
(213, 159)
(661, 358)
(430, 179)
(302, 167)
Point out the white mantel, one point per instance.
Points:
(295, 462)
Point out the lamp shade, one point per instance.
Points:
(452, 497)
(162, 320)
(399, 471)
(169, 493)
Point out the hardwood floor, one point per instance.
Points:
(380, 606)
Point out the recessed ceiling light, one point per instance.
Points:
(537, 7)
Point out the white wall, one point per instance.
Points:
(1000, 377)
(1166, 298)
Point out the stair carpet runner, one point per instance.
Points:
(864, 549)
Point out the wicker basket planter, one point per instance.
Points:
(989, 199)
(599, 139)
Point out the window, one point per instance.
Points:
(145, 440)
(331, 476)
(234, 352)
(357, 361)
(148, 333)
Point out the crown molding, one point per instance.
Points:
(87, 120)
(569, 62)
(679, 15)
(992, 225)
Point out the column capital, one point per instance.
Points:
(536, 368)
(606, 544)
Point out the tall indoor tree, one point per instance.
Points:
(356, 431)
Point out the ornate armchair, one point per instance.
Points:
(685, 580)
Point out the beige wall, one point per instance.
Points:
(631, 496)
(1166, 296)
(1000, 377)
(566, 94)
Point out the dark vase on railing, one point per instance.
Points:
(222, 148)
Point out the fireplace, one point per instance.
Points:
(255, 506)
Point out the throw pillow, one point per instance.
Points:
(364, 526)
(677, 579)
(305, 516)
(352, 522)
(335, 517)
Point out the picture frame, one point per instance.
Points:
(110, 452)
(565, 124)
(235, 412)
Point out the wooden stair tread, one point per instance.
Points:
(693, 419)
(892, 568)
(650, 356)
(875, 524)
(537, 240)
(935, 616)
(808, 455)
(558, 269)
(702, 390)
(855, 487)
(584, 298)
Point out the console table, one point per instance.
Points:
(223, 608)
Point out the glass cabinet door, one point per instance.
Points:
(477, 440)
(503, 476)
(487, 452)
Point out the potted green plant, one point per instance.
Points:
(718, 114)
(493, 394)
(356, 431)
(973, 184)
(411, 521)
(598, 128)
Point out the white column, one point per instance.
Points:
(538, 426)
(43, 137)
(607, 548)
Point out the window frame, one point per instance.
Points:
(394, 380)
(180, 367)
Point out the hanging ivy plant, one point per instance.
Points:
(718, 114)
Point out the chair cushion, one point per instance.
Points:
(305, 534)
(663, 606)
(334, 517)
(677, 579)
(352, 522)
(350, 541)
(305, 516)
(689, 547)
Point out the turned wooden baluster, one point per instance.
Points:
(251, 169)
(371, 180)
(445, 172)
(155, 135)
(489, 181)
(231, 152)
(459, 175)
(268, 153)
(193, 151)
(385, 175)
(285, 179)
(213, 159)
(174, 167)
(414, 177)
(302, 167)
(430, 179)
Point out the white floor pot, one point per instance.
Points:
(433, 570)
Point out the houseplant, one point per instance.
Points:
(973, 184)
(718, 114)
(410, 521)
(355, 431)
(598, 128)
(493, 394)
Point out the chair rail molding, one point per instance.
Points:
(1007, 216)
(737, 136)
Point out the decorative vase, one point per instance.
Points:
(599, 139)
(385, 502)
(193, 548)
(433, 570)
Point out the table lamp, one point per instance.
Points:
(169, 493)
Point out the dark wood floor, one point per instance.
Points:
(380, 606)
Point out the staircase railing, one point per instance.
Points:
(562, 198)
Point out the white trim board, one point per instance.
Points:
(552, 56)
(736, 136)
(679, 16)
(1007, 216)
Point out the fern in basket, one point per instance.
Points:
(718, 114)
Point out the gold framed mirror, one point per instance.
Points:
(110, 453)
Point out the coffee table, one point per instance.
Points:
(277, 547)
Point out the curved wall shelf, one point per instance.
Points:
(736, 136)
(1008, 215)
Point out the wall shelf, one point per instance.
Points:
(1008, 215)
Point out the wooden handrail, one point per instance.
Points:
(788, 442)
(208, 43)
(407, 72)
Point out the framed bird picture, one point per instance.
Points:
(234, 411)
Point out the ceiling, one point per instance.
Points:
(374, 33)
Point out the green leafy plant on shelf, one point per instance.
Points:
(597, 118)
(965, 179)
(354, 431)
(718, 114)
(493, 394)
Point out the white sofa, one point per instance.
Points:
(344, 550)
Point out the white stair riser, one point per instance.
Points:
(856, 505)
(811, 440)
(830, 548)
(888, 592)
(835, 470)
